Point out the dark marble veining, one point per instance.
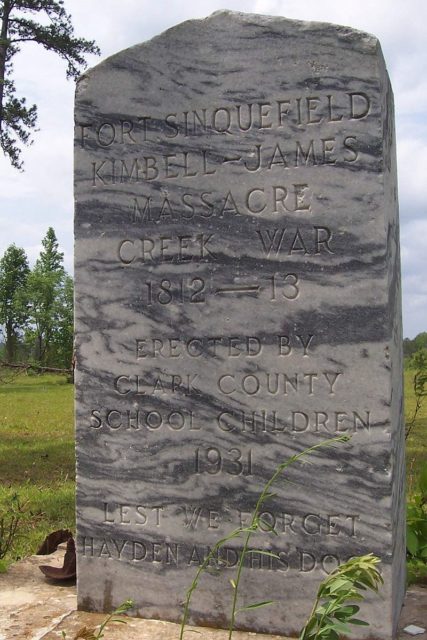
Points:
(237, 300)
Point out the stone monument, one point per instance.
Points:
(237, 300)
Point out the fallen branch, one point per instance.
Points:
(29, 366)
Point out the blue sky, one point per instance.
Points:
(42, 196)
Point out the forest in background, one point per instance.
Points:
(36, 307)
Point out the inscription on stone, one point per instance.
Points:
(237, 300)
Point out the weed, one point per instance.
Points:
(416, 422)
(419, 382)
(12, 514)
(86, 633)
(256, 524)
(332, 612)
(416, 530)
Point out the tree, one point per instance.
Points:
(14, 272)
(37, 305)
(48, 300)
(64, 328)
(51, 259)
(56, 34)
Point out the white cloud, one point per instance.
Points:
(412, 156)
(413, 247)
(414, 284)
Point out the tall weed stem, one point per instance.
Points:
(248, 531)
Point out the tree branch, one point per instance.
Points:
(16, 26)
(28, 366)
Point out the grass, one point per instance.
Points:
(37, 456)
(37, 453)
(416, 444)
(416, 459)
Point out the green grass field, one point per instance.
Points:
(37, 454)
(416, 444)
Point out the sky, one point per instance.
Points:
(42, 196)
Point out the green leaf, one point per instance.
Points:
(412, 543)
(257, 605)
(311, 624)
(413, 512)
(338, 583)
(267, 525)
(269, 495)
(350, 609)
(342, 616)
(358, 622)
(336, 626)
(321, 610)
(423, 481)
(263, 552)
(329, 634)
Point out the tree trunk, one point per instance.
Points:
(10, 342)
(39, 347)
(4, 45)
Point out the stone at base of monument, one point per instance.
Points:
(38, 608)
(237, 301)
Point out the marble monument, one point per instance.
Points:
(237, 300)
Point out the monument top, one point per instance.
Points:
(226, 20)
(238, 31)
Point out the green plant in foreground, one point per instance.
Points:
(333, 611)
(419, 384)
(256, 524)
(416, 528)
(11, 516)
(86, 633)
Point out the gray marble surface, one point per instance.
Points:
(237, 300)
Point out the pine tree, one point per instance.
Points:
(44, 297)
(55, 34)
(51, 259)
(64, 329)
(14, 272)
